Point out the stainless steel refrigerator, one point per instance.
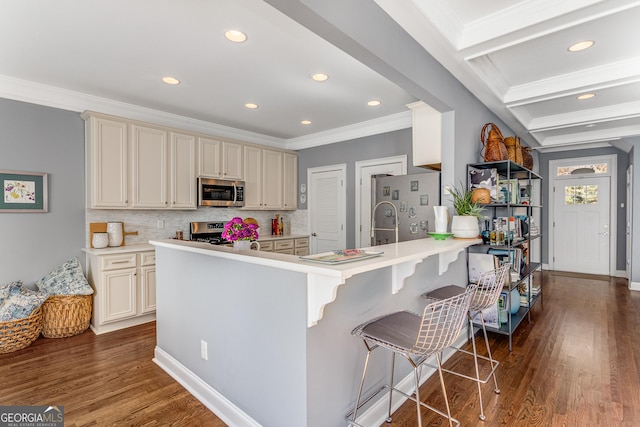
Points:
(406, 201)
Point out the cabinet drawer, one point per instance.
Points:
(283, 244)
(302, 251)
(266, 246)
(302, 243)
(148, 258)
(115, 262)
(286, 251)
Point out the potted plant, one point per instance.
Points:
(241, 234)
(465, 223)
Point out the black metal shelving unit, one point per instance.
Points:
(509, 170)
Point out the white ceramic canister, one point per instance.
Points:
(100, 240)
(114, 230)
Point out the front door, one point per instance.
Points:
(582, 227)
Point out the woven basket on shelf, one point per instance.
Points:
(65, 315)
(17, 334)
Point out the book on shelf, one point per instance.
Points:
(484, 178)
(479, 263)
(491, 317)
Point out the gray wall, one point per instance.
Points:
(623, 163)
(42, 139)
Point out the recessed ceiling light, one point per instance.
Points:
(235, 36)
(305, 122)
(319, 77)
(373, 103)
(171, 80)
(586, 96)
(251, 105)
(577, 47)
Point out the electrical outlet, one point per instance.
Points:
(203, 350)
(447, 190)
(160, 224)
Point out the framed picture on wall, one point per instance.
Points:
(24, 192)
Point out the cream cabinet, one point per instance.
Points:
(270, 178)
(290, 181)
(232, 165)
(124, 289)
(294, 246)
(107, 154)
(182, 171)
(220, 159)
(272, 183)
(138, 166)
(149, 172)
(252, 177)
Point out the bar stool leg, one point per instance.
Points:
(444, 391)
(393, 366)
(486, 343)
(416, 377)
(475, 360)
(364, 374)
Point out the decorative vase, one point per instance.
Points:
(245, 245)
(515, 301)
(465, 226)
(114, 230)
(100, 240)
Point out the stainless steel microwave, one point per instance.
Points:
(220, 192)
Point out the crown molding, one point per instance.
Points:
(50, 96)
(385, 124)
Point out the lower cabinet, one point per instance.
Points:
(295, 246)
(125, 289)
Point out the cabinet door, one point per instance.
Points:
(148, 289)
(290, 181)
(118, 294)
(108, 140)
(232, 160)
(210, 160)
(148, 167)
(183, 171)
(271, 179)
(252, 177)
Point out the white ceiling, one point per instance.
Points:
(513, 56)
(110, 56)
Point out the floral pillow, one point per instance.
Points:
(68, 279)
(18, 302)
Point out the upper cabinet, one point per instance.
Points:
(138, 166)
(107, 159)
(220, 159)
(270, 179)
(134, 165)
(290, 179)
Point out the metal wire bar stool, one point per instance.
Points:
(416, 338)
(487, 292)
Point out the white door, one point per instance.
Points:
(582, 229)
(327, 199)
(364, 171)
(629, 219)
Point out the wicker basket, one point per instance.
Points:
(65, 315)
(20, 333)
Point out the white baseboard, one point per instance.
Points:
(212, 399)
(620, 273)
(634, 286)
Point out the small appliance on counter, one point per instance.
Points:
(208, 232)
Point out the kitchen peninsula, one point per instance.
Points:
(264, 339)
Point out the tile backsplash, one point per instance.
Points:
(145, 222)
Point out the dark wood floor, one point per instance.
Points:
(576, 364)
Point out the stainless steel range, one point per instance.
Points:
(208, 232)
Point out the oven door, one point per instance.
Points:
(220, 192)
